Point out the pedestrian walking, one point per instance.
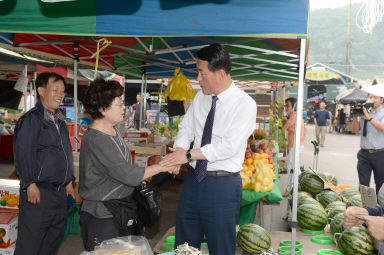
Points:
(321, 117)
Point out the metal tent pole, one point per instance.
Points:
(142, 100)
(160, 100)
(299, 114)
(76, 48)
(26, 88)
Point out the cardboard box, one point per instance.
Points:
(8, 251)
(149, 149)
(8, 229)
(9, 195)
(136, 136)
(146, 160)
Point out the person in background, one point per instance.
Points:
(305, 114)
(290, 125)
(43, 161)
(341, 121)
(30, 102)
(136, 112)
(371, 155)
(321, 117)
(330, 121)
(106, 171)
(219, 122)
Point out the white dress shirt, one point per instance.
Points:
(235, 120)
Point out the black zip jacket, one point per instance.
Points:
(42, 153)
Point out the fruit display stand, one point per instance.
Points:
(251, 198)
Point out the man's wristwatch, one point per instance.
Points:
(188, 155)
(370, 119)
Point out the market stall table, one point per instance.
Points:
(309, 247)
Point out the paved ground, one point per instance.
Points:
(337, 157)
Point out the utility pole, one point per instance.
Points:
(348, 59)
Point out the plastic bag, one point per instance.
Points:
(179, 88)
(126, 245)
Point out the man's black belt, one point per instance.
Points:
(50, 186)
(219, 173)
(373, 151)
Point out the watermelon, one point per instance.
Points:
(253, 239)
(348, 193)
(327, 196)
(328, 177)
(312, 184)
(303, 194)
(312, 216)
(335, 210)
(307, 200)
(304, 174)
(334, 204)
(336, 224)
(356, 241)
(355, 201)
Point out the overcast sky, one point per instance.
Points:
(318, 4)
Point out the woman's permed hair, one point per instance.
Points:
(100, 95)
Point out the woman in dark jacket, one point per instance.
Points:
(106, 169)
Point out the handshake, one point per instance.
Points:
(174, 160)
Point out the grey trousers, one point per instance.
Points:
(320, 134)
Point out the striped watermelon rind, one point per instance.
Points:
(328, 177)
(253, 239)
(335, 210)
(355, 201)
(356, 241)
(312, 217)
(336, 225)
(334, 204)
(312, 183)
(325, 197)
(347, 193)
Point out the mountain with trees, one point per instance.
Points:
(328, 40)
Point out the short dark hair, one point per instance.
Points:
(292, 100)
(100, 95)
(43, 78)
(217, 57)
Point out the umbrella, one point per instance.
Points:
(377, 90)
(355, 96)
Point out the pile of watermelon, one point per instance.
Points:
(316, 207)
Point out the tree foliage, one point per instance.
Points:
(328, 40)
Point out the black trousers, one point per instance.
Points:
(368, 162)
(96, 230)
(41, 226)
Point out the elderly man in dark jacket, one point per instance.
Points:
(43, 160)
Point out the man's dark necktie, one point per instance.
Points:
(201, 165)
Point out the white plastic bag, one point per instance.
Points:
(126, 245)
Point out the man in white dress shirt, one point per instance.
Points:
(219, 122)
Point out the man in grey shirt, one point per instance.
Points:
(371, 155)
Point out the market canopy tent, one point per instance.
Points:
(263, 46)
(353, 96)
